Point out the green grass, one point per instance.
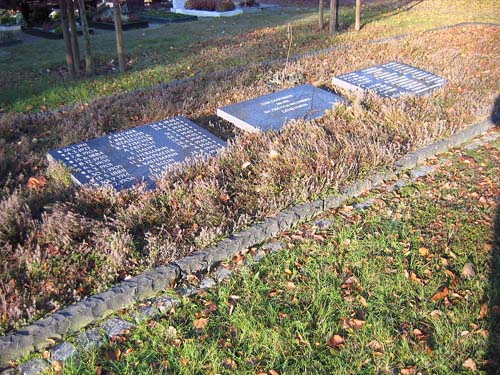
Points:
(31, 77)
(383, 266)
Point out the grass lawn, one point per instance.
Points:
(409, 285)
(32, 77)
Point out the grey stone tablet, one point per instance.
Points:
(391, 80)
(135, 155)
(272, 112)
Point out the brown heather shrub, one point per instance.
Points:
(210, 5)
(61, 243)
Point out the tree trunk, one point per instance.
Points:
(67, 39)
(89, 64)
(119, 34)
(74, 34)
(321, 12)
(334, 16)
(358, 15)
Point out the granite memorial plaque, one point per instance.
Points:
(272, 112)
(391, 80)
(135, 155)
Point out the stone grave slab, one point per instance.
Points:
(124, 158)
(391, 80)
(273, 111)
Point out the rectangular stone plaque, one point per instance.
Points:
(391, 80)
(272, 112)
(135, 155)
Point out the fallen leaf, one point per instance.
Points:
(423, 251)
(440, 295)
(224, 197)
(469, 364)
(200, 323)
(411, 370)
(483, 312)
(436, 314)
(36, 182)
(230, 364)
(352, 323)
(184, 361)
(336, 341)
(375, 346)
(128, 351)
(290, 285)
(468, 271)
(273, 372)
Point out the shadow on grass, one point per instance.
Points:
(493, 354)
(378, 12)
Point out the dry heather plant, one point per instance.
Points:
(70, 242)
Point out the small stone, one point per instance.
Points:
(323, 224)
(165, 304)
(116, 326)
(207, 283)
(273, 246)
(422, 171)
(221, 274)
(364, 205)
(91, 338)
(9, 371)
(400, 183)
(145, 313)
(473, 145)
(186, 291)
(62, 352)
(34, 367)
(259, 255)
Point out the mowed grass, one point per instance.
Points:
(33, 76)
(409, 285)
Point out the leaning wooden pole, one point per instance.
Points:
(321, 14)
(357, 24)
(119, 34)
(74, 34)
(89, 63)
(67, 39)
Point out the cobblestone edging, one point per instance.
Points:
(41, 334)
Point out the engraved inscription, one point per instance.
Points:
(393, 80)
(125, 158)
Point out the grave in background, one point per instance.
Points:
(272, 112)
(391, 80)
(122, 159)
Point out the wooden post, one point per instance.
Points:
(89, 64)
(320, 15)
(334, 14)
(357, 25)
(67, 39)
(119, 34)
(74, 34)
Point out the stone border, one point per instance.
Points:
(41, 334)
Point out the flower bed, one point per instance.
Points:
(105, 21)
(48, 34)
(61, 243)
(125, 26)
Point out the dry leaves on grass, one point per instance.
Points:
(336, 341)
(200, 323)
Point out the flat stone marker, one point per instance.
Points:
(134, 155)
(272, 112)
(391, 80)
